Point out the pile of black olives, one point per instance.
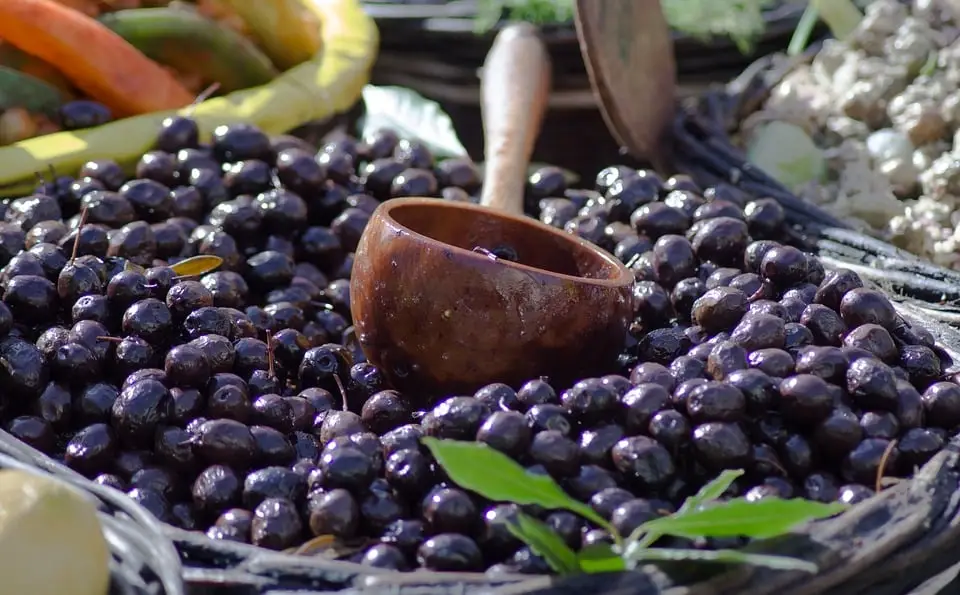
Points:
(239, 403)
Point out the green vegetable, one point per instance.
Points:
(413, 116)
(841, 16)
(740, 20)
(801, 35)
(540, 12)
(191, 43)
(13, 57)
(711, 492)
(22, 90)
(786, 152)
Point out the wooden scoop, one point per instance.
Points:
(628, 50)
(441, 313)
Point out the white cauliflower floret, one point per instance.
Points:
(942, 179)
(940, 14)
(884, 106)
(911, 45)
(862, 192)
(880, 21)
(800, 99)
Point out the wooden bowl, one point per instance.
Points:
(440, 318)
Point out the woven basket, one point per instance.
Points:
(432, 48)
(144, 560)
(888, 545)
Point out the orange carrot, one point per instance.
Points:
(95, 59)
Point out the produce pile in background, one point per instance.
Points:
(869, 128)
(741, 20)
(73, 64)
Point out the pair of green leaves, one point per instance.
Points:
(496, 476)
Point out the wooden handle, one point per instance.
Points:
(628, 51)
(514, 87)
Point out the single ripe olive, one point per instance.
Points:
(450, 552)
(83, 113)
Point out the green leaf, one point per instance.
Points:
(538, 12)
(132, 266)
(707, 494)
(545, 542)
(197, 265)
(495, 476)
(30, 93)
(413, 117)
(786, 152)
(722, 556)
(930, 66)
(740, 20)
(760, 519)
(711, 492)
(841, 16)
(801, 34)
(600, 557)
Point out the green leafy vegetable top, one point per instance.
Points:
(740, 20)
(494, 475)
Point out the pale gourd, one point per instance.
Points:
(51, 542)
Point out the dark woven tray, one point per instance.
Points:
(144, 560)
(901, 541)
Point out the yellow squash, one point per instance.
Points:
(282, 28)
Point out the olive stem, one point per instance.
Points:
(76, 241)
(486, 253)
(883, 464)
(203, 96)
(271, 370)
(343, 391)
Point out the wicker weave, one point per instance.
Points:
(144, 560)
